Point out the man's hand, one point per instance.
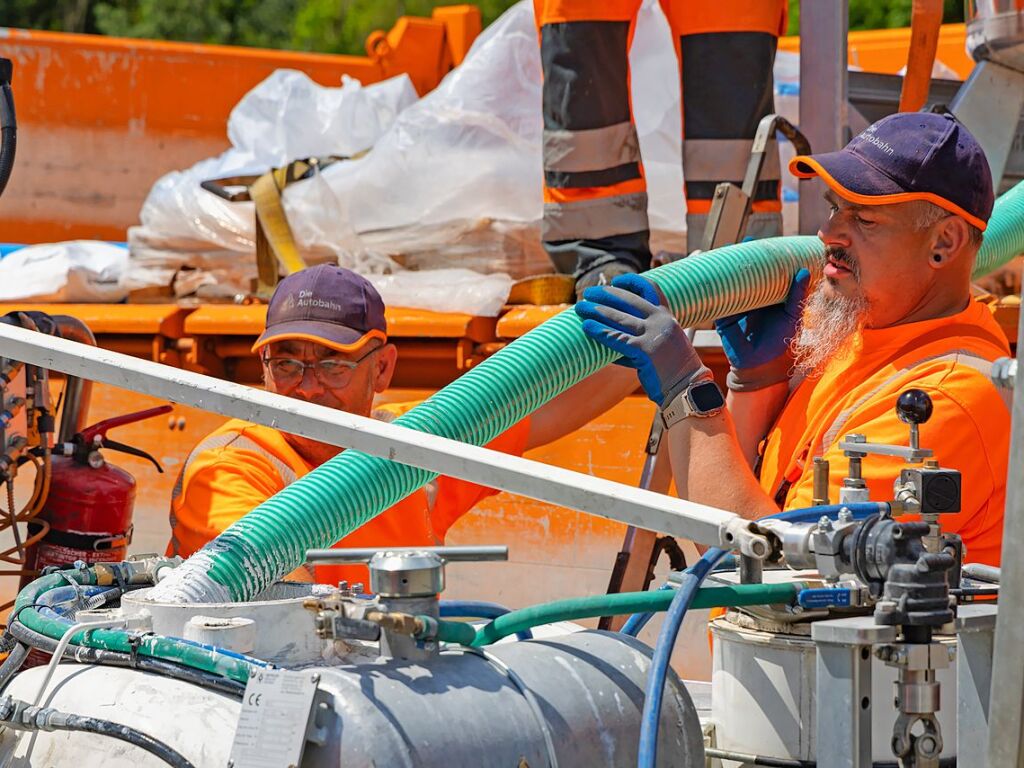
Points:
(757, 343)
(628, 317)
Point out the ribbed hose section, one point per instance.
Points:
(350, 489)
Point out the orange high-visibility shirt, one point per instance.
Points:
(969, 429)
(241, 465)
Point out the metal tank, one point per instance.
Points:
(573, 700)
(764, 698)
(995, 32)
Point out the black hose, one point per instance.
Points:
(781, 762)
(15, 658)
(124, 733)
(8, 125)
(86, 655)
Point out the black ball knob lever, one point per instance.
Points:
(914, 407)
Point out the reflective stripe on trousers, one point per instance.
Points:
(593, 171)
(594, 188)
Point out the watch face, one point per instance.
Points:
(706, 397)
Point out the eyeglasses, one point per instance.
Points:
(333, 372)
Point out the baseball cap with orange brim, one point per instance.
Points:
(328, 305)
(909, 156)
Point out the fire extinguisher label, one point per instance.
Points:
(57, 554)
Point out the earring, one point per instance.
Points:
(937, 258)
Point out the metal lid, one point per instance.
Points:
(406, 574)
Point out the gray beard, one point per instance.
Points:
(828, 325)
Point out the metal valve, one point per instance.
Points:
(406, 571)
(914, 407)
(407, 582)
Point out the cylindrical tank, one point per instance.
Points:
(995, 31)
(763, 699)
(569, 701)
(89, 510)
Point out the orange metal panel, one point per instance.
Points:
(214, 319)
(217, 319)
(1007, 314)
(462, 24)
(520, 319)
(163, 319)
(420, 322)
(414, 45)
(885, 50)
(102, 118)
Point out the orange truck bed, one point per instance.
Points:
(100, 119)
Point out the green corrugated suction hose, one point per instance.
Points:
(350, 489)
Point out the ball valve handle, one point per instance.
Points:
(914, 407)
(399, 573)
(366, 554)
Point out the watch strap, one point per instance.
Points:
(680, 406)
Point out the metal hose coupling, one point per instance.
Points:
(23, 716)
(138, 569)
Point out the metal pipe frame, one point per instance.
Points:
(824, 110)
(615, 501)
(78, 391)
(1006, 707)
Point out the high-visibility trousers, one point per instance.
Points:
(595, 195)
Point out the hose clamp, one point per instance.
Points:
(134, 643)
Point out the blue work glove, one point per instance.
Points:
(630, 318)
(757, 343)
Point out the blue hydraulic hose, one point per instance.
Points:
(50, 604)
(860, 510)
(477, 609)
(692, 578)
(56, 597)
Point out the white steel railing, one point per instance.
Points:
(616, 501)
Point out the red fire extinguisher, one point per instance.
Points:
(90, 502)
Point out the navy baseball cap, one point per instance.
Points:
(326, 304)
(909, 156)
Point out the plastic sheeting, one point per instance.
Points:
(453, 180)
(79, 271)
(443, 290)
(205, 244)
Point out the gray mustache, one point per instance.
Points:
(842, 256)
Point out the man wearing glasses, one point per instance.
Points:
(326, 342)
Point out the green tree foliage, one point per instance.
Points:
(330, 26)
(880, 14)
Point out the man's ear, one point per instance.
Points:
(951, 241)
(384, 367)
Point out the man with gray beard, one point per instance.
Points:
(891, 310)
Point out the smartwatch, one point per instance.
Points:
(701, 399)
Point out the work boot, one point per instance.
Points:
(602, 275)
